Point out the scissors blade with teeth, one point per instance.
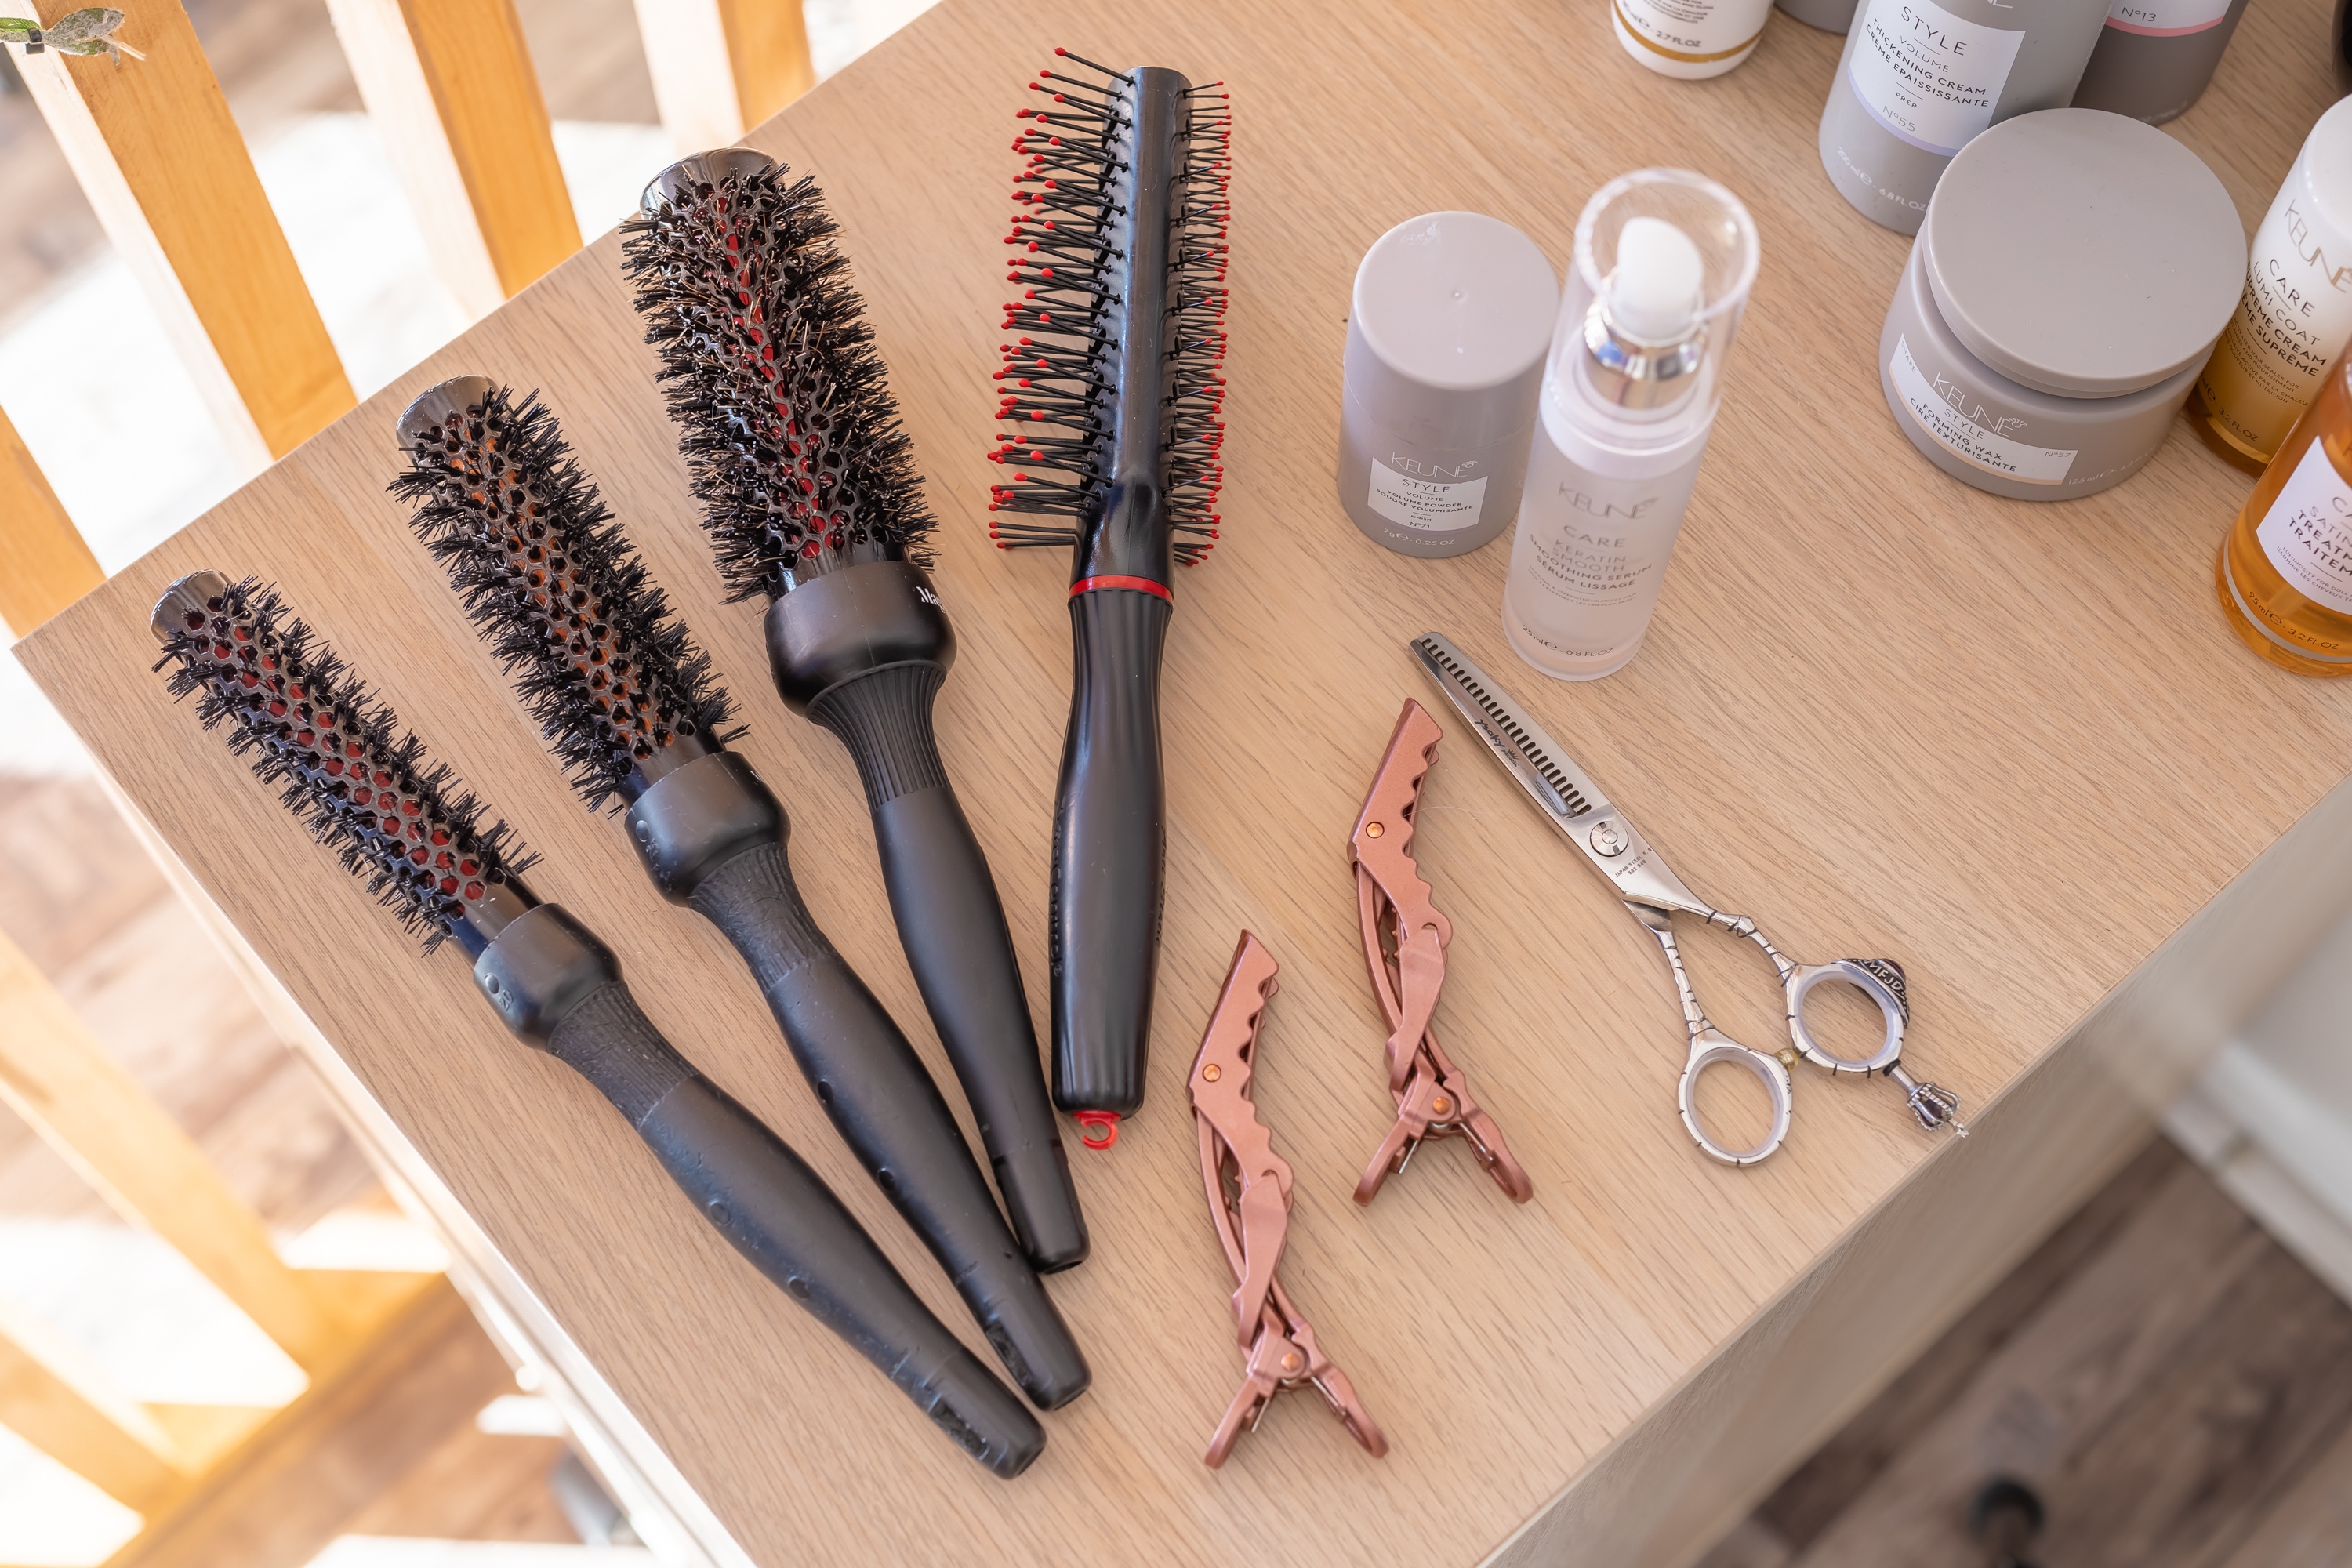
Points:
(1582, 813)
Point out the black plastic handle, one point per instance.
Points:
(952, 926)
(1109, 849)
(558, 987)
(892, 1115)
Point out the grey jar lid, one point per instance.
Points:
(1456, 302)
(2082, 254)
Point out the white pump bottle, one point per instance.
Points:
(1664, 262)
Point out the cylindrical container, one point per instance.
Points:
(2154, 57)
(1918, 80)
(1829, 16)
(2072, 272)
(1664, 262)
(1689, 38)
(2296, 311)
(2284, 573)
(1446, 348)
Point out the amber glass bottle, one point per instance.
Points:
(2285, 571)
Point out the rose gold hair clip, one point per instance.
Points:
(1249, 1201)
(1404, 947)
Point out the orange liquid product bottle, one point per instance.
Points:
(2284, 573)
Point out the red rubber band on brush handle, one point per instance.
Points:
(1112, 580)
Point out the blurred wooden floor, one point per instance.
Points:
(2176, 1388)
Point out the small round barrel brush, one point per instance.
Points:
(630, 708)
(813, 507)
(366, 789)
(1111, 397)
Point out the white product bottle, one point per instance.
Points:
(1664, 262)
(1689, 38)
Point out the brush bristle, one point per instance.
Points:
(1058, 383)
(364, 786)
(549, 579)
(785, 419)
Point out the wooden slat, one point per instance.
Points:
(56, 1075)
(44, 564)
(66, 1409)
(450, 86)
(721, 67)
(155, 150)
(295, 1485)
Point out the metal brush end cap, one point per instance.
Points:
(702, 168)
(438, 404)
(186, 605)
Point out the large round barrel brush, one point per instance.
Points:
(812, 506)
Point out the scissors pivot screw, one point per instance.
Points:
(1374, 829)
(1607, 840)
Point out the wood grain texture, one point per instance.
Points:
(1892, 713)
(154, 149)
(450, 87)
(43, 563)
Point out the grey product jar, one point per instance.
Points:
(2073, 272)
(1920, 78)
(1447, 329)
(1829, 16)
(2155, 58)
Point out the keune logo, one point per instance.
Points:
(2298, 228)
(1600, 507)
(1974, 413)
(926, 595)
(1414, 466)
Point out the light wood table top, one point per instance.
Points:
(2011, 745)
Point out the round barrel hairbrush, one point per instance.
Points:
(630, 708)
(1111, 400)
(813, 506)
(367, 790)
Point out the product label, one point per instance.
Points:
(1695, 32)
(1927, 75)
(1429, 506)
(2292, 321)
(2166, 18)
(1590, 552)
(1964, 425)
(2307, 533)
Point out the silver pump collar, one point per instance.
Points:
(1635, 375)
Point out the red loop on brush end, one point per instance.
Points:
(1111, 580)
(1098, 1129)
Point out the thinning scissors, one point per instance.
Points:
(1584, 816)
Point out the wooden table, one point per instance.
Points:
(2012, 745)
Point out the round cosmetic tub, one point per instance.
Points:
(1446, 336)
(2071, 275)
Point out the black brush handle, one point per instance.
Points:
(713, 833)
(952, 926)
(558, 987)
(1109, 849)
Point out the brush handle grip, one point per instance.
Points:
(1109, 852)
(951, 923)
(892, 1115)
(559, 988)
(780, 1215)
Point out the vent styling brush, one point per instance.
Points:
(631, 710)
(366, 789)
(813, 509)
(1112, 399)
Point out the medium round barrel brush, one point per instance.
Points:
(1112, 397)
(367, 790)
(813, 506)
(629, 707)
